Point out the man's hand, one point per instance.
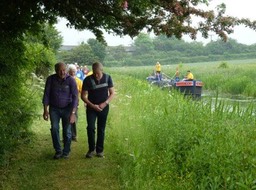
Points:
(103, 105)
(97, 107)
(72, 118)
(46, 115)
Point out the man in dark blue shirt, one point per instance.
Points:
(97, 92)
(61, 97)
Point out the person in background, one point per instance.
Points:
(158, 71)
(97, 92)
(89, 73)
(85, 71)
(79, 72)
(177, 74)
(72, 72)
(60, 102)
(189, 76)
(158, 67)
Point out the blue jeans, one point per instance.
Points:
(55, 115)
(101, 117)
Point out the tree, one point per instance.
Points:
(161, 43)
(81, 54)
(118, 53)
(230, 47)
(172, 18)
(41, 48)
(195, 49)
(143, 44)
(98, 48)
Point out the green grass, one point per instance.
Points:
(237, 79)
(155, 139)
(167, 142)
(33, 167)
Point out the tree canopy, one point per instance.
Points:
(121, 17)
(82, 54)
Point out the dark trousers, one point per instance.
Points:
(73, 126)
(73, 130)
(101, 118)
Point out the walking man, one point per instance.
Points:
(97, 92)
(60, 102)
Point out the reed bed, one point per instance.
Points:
(165, 141)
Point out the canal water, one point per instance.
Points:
(230, 101)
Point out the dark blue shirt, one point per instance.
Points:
(60, 92)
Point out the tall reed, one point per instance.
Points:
(165, 141)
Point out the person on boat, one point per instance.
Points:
(158, 67)
(158, 71)
(189, 76)
(177, 74)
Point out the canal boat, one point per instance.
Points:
(190, 87)
(187, 87)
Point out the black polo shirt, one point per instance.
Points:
(97, 90)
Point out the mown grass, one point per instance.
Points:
(33, 167)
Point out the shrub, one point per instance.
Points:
(223, 65)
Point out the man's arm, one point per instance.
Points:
(84, 97)
(111, 95)
(46, 98)
(74, 93)
(46, 113)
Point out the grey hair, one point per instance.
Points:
(72, 67)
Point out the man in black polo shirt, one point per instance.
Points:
(97, 92)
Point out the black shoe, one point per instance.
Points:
(89, 154)
(65, 156)
(57, 155)
(100, 154)
(74, 139)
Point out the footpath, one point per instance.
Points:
(33, 166)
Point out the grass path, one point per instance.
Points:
(33, 166)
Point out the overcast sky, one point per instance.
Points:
(237, 8)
